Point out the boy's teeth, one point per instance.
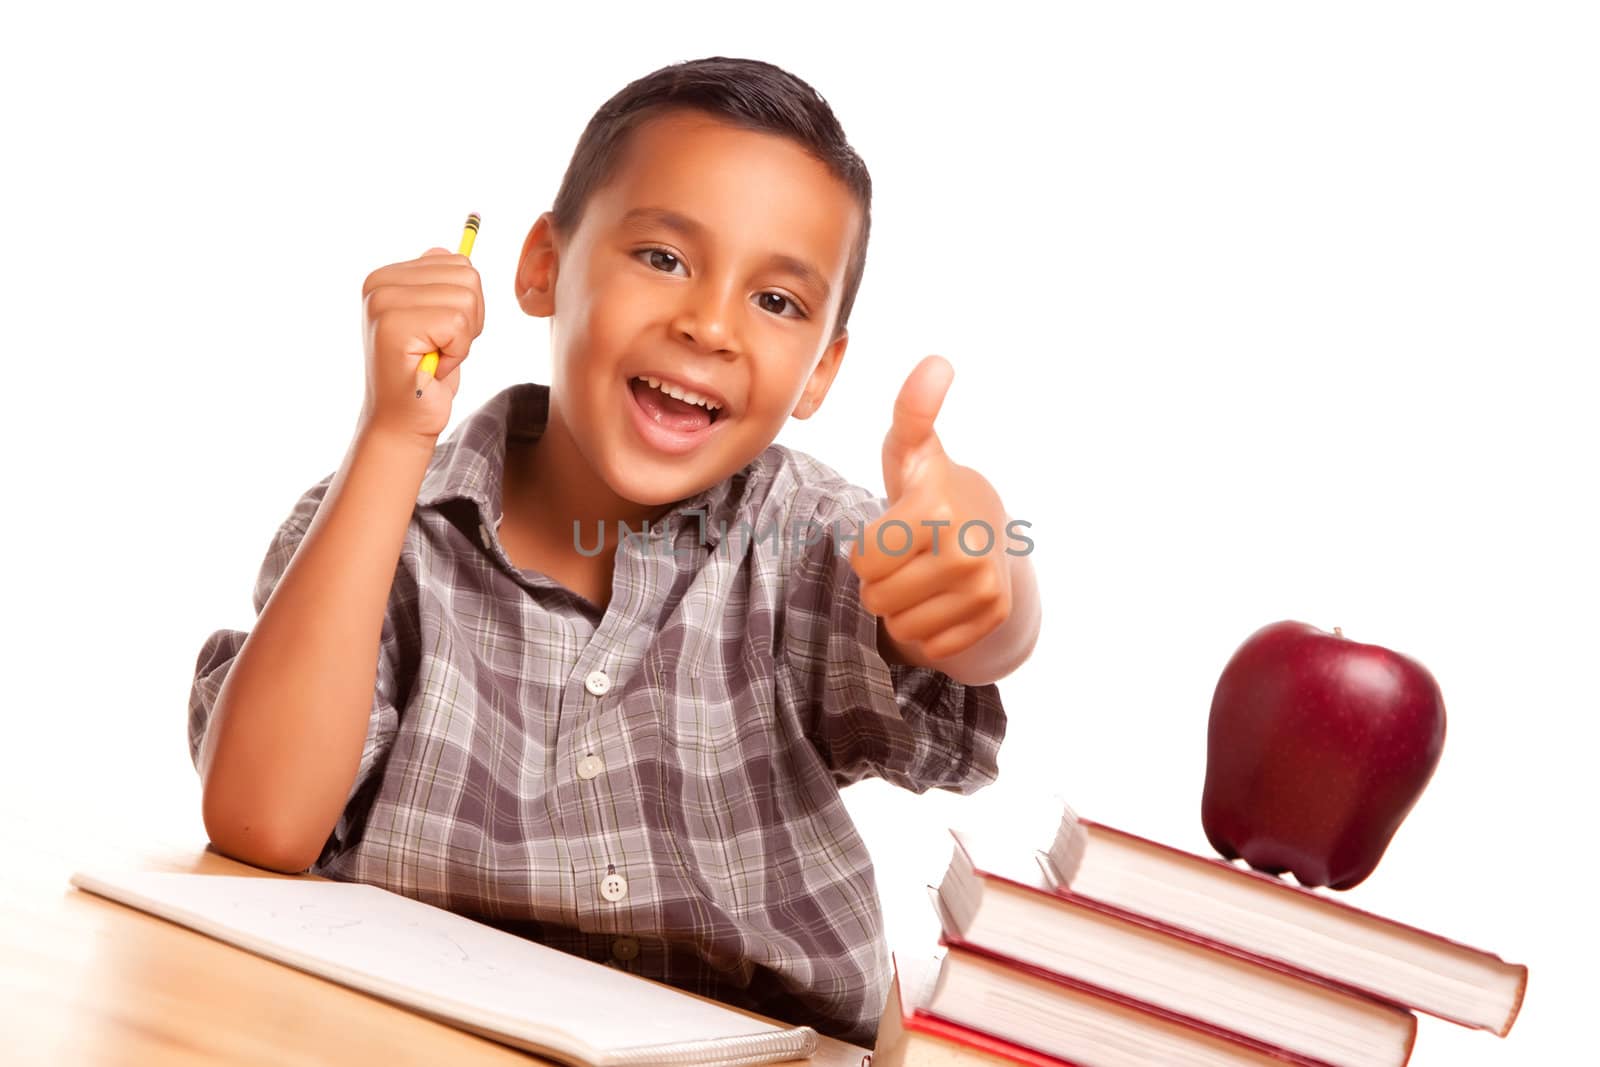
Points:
(686, 395)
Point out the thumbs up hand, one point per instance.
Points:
(936, 578)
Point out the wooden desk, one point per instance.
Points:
(85, 980)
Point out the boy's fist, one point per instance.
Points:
(936, 587)
(433, 303)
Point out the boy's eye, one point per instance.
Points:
(662, 260)
(779, 304)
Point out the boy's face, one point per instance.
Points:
(713, 258)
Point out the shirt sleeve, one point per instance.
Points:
(913, 726)
(221, 649)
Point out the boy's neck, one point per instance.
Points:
(548, 485)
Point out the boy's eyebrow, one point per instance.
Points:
(675, 220)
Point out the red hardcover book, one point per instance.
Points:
(910, 1037)
(1290, 925)
(1024, 1015)
(998, 903)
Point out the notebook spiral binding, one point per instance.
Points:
(724, 1052)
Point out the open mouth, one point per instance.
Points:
(673, 418)
(674, 406)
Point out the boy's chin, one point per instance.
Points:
(654, 482)
(640, 487)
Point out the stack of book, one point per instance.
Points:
(1112, 950)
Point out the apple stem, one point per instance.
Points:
(1338, 632)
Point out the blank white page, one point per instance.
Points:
(448, 966)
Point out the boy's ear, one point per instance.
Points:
(536, 269)
(822, 377)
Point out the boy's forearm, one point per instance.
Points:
(285, 737)
(997, 654)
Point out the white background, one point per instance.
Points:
(1257, 312)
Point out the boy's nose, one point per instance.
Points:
(705, 318)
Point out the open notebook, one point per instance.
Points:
(461, 972)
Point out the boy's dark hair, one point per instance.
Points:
(744, 92)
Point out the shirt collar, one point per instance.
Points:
(470, 464)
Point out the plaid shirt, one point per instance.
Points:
(655, 785)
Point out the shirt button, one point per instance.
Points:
(589, 766)
(597, 683)
(625, 948)
(613, 887)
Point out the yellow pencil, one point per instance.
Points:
(430, 362)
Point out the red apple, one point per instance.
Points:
(1317, 749)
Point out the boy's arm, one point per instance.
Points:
(282, 748)
(864, 714)
(284, 740)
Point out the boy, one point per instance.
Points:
(629, 747)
